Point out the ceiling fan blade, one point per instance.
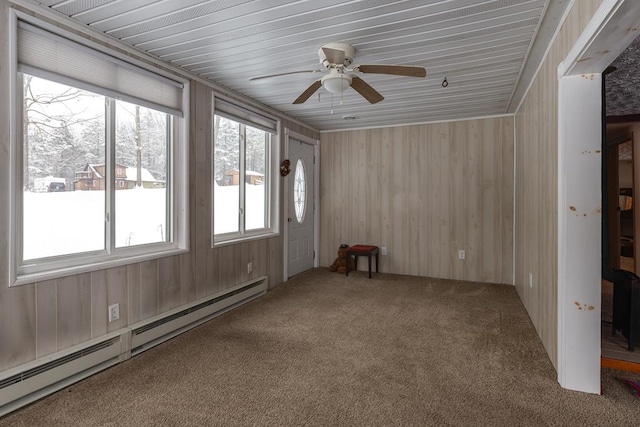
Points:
(396, 70)
(334, 56)
(365, 89)
(283, 74)
(307, 93)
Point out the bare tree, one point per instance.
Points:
(49, 115)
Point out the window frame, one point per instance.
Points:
(21, 272)
(272, 198)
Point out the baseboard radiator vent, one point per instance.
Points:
(34, 380)
(156, 330)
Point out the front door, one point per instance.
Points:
(300, 220)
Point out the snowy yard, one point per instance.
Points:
(225, 218)
(74, 221)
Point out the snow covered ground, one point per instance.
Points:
(225, 214)
(72, 222)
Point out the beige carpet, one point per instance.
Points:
(329, 350)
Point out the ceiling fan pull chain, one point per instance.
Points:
(332, 103)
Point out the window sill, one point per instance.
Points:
(244, 239)
(24, 279)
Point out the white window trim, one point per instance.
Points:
(274, 182)
(91, 261)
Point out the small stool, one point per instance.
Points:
(363, 250)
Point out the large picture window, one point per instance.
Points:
(243, 182)
(96, 158)
(64, 135)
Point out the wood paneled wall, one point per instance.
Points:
(424, 192)
(536, 195)
(42, 318)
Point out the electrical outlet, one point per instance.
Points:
(114, 312)
(384, 250)
(249, 268)
(531, 280)
(461, 254)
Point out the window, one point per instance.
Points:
(142, 142)
(244, 187)
(300, 191)
(64, 131)
(96, 153)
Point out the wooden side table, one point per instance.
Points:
(363, 250)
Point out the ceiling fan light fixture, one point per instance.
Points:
(337, 58)
(336, 82)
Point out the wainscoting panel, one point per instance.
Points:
(133, 289)
(424, 192)
(169, 296)
(148, 289)
(73, 302)
(46, 319)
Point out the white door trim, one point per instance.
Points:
(289, 134)
(609, 32)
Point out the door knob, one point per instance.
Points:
(289, 219)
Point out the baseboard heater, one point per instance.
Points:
(156, 330)
(32, 381)
(29, 382)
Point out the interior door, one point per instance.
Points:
(300, 221)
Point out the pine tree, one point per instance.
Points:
(226, 155)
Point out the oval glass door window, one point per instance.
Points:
(300, 191)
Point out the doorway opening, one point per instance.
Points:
(612, 29)
(621, 176)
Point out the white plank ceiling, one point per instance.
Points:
(488, 50)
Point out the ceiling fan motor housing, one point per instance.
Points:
(349, 52)
(336, 81)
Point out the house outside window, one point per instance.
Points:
(245, 148)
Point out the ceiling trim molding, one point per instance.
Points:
(433, 122)
(555, 16)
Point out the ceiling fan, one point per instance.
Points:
(337, 57)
